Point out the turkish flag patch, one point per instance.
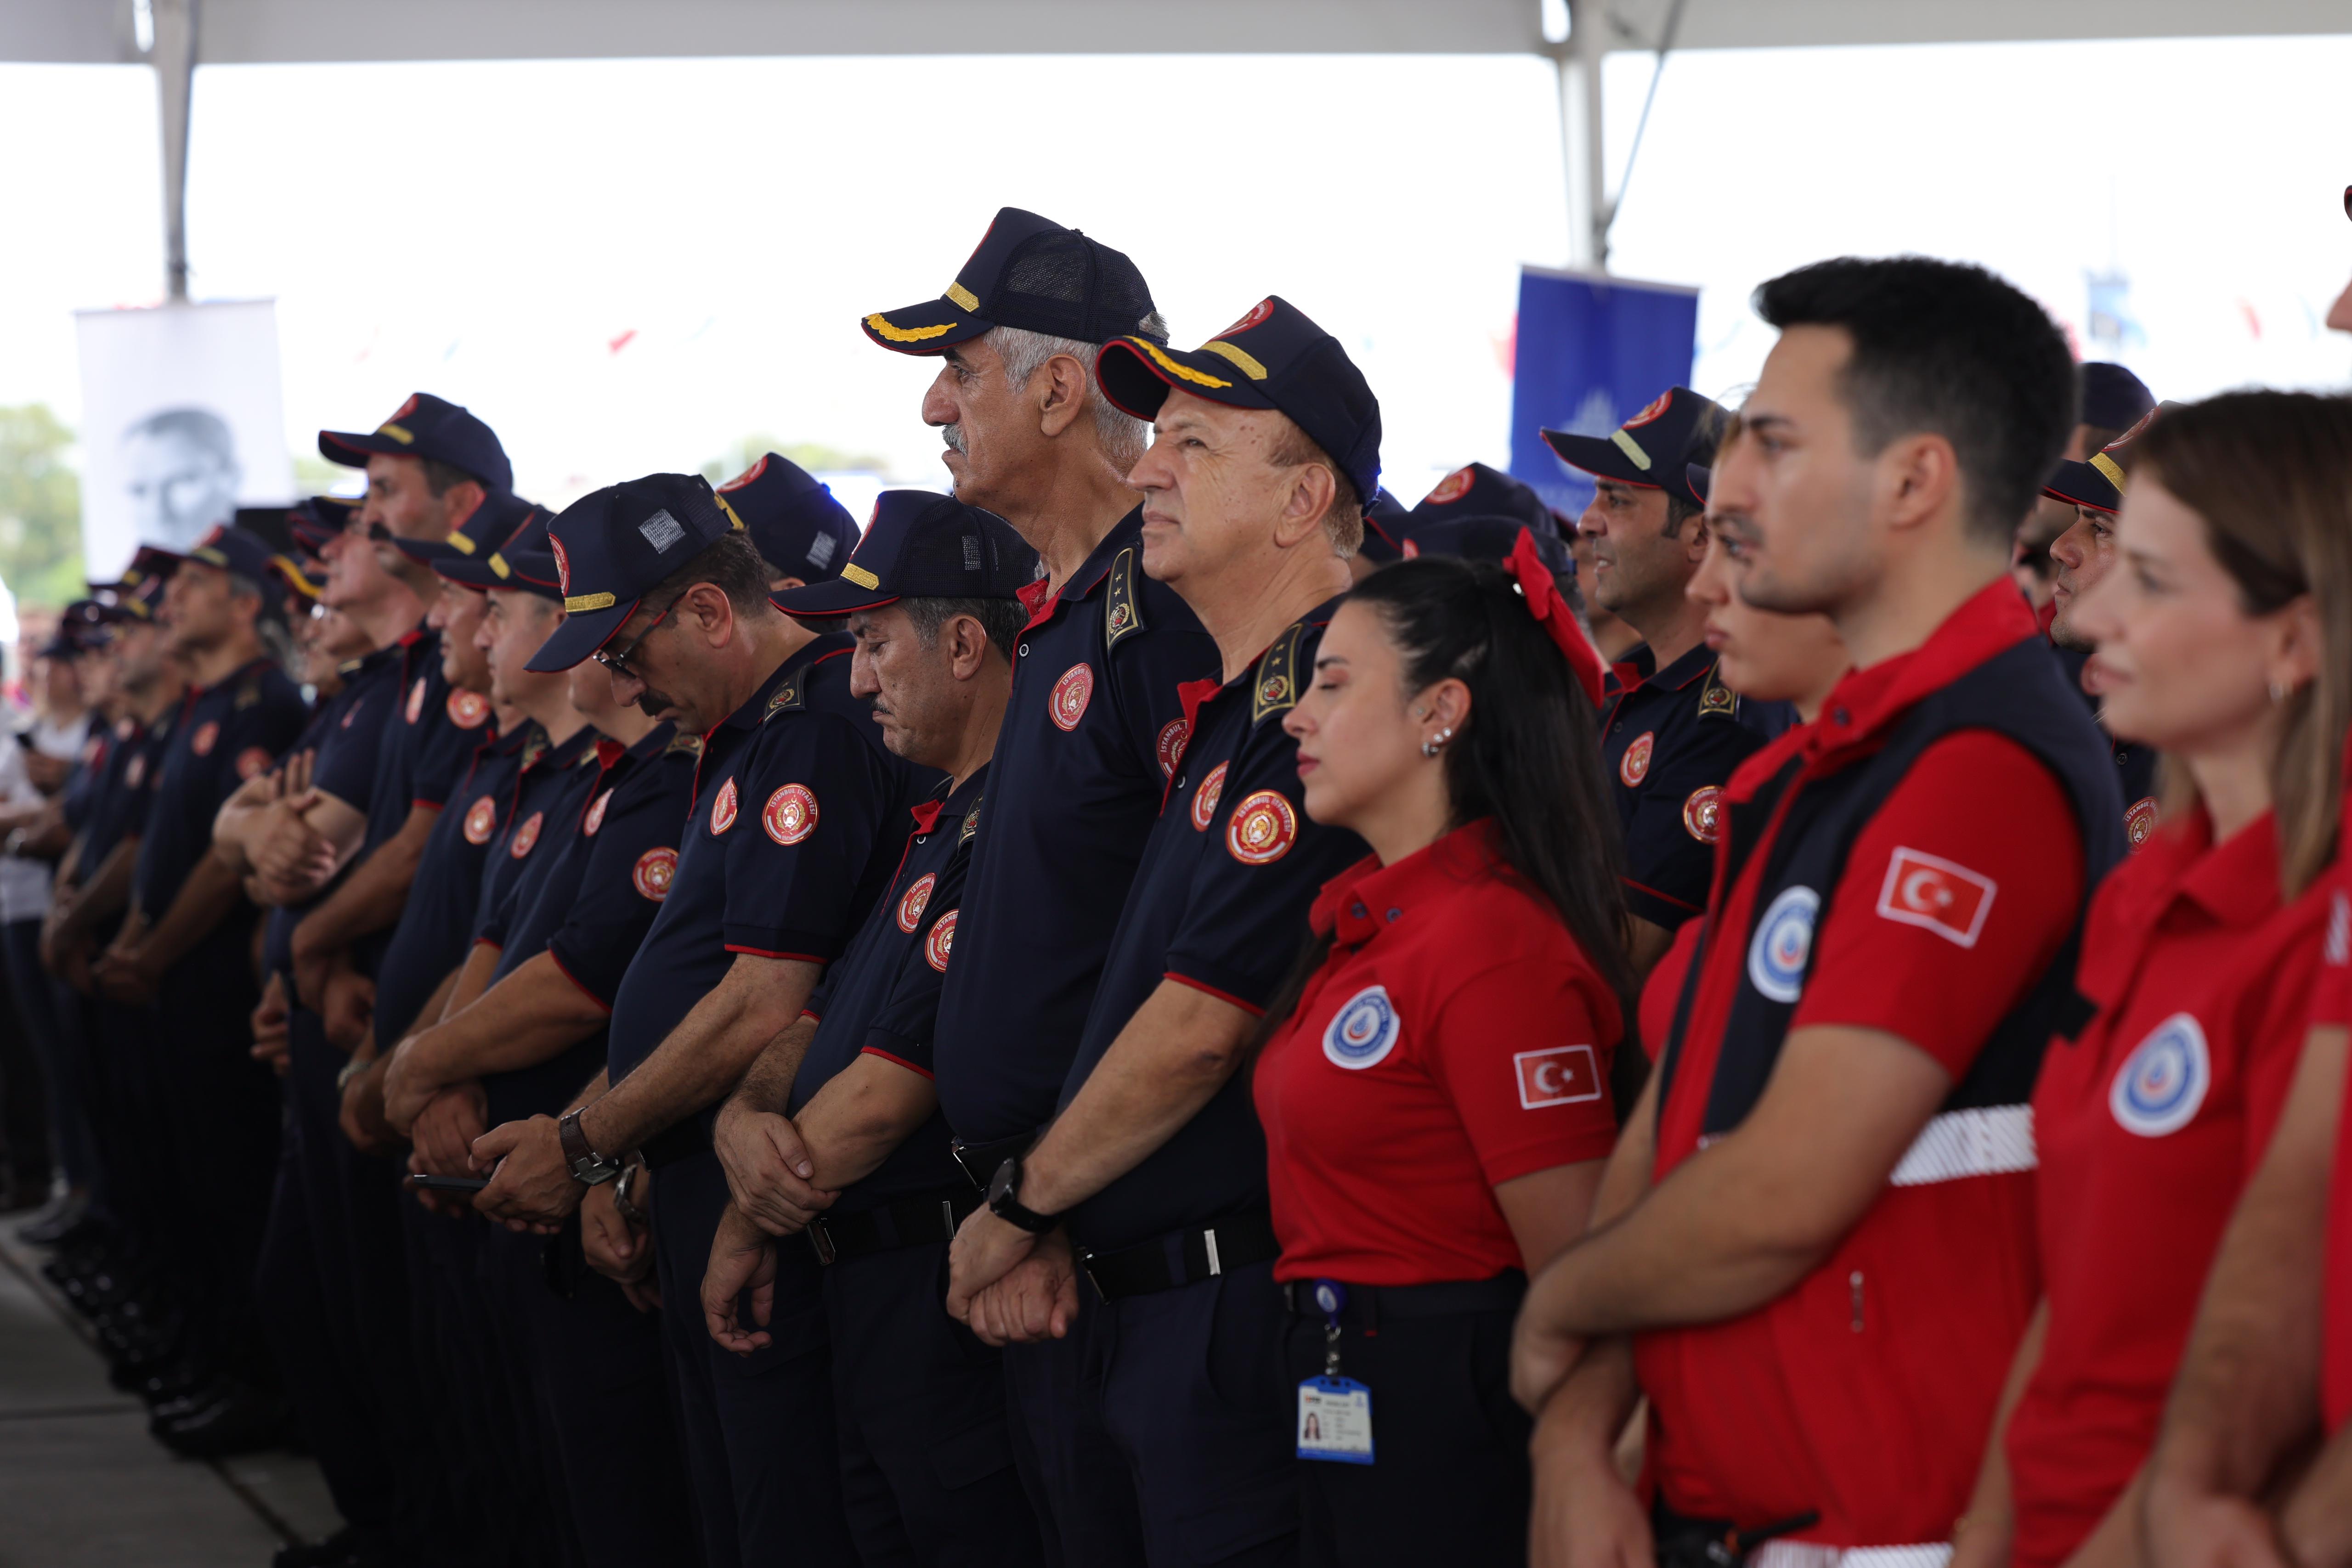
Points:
(1937, 896)
(1564, 1075)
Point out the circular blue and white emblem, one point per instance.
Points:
(1784, 940)
(1364, 1031)
(2161, 1086)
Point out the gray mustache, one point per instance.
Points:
(953, 436)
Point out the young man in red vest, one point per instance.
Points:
(1813, 1251)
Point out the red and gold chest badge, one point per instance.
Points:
(481, 821)
(911, 902)
(207, 736)
(2139, 821)
(1204, 799)
(1452, 488)
(790, 814)
(135, 772)
(252, 762)
(417, 700)
(527, 834)
(652, 874)
(469, 710)
(722, 809)
(1703, 814)
(1070, 695)
(937, 944)
(1263, 829)
(1172, 738)
(1634, 766)
(596, 817)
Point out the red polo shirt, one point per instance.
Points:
(1455, 1038)
(1866, 1393)
(2147, 1125)
(2332, 1005)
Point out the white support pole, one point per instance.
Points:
(175, 60)
(1578, 61)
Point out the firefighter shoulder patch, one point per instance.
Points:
(1273, 689)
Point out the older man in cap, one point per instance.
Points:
(1091, 729)
(1154, 1170)
(790, 843)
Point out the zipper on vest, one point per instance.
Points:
(1853, 1285)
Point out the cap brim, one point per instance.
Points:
(833, 596)
(582, 633)
(352, 448)
(930, 328)
(1701, 479)
(1602, 457)
(2079, 485)
(1136, 375)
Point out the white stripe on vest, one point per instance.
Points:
(1804, 1554)
(1990, 1141)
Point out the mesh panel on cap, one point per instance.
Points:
(1053, 266)
(1055, 273)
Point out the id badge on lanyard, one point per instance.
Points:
(1335, 1413)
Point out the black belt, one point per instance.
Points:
(676, 1142)
(980, 1160)
(908, 1222)
(1367, 1304)
(1184, 1256)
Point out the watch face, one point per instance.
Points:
(1001, 1184)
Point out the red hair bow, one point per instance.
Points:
(1552, 613)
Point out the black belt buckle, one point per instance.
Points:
(821, 1242)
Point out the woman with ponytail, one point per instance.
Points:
(1434, 1080)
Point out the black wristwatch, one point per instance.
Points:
(587, 1165)
(1004, 1201)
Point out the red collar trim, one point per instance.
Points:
(1867, 702)
(927, 815)
(1360, 902)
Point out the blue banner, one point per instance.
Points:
(1591, 353)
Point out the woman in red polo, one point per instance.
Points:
(1434, 1080)
(2199, 954)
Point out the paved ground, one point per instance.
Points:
(83, 1486)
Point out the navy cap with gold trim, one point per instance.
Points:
(1274, 357)
(315, 519)
(490, 525)
(426, 426)
(1654, 449)
(2097, 483)
(522, 560)
(1030, 273)
(611, 546)
(238, 552)
(795, 523)
(920, 544)
(1476, 490)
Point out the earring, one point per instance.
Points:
(1437, 743)
(2278, 691)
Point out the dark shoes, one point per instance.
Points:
(234, 1418)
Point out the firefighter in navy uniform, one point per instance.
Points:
(790, 841)
(185, 951)
(1088, 745)
(1153, 1174)
(792, 520)
(1671, 731)
(2080, 557)
(927, 1472)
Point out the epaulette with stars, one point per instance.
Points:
(683, 745)
(1122, 610)
(1273, 688)
(970, 824)
(789, 698)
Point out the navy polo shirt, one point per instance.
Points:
(789, 841)
(883, 997)
(2134, 765)
(224, 735)
(1219, 903)
(345, 735)
(550, 792)
(81, 784)
(1090, 733)
(1669, 741)
(429, 749)
(436, 924)
(117, 794)
(589, 896)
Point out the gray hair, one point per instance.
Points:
(1025, 353)
(1001, 619)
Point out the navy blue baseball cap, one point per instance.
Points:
(300, 583)
(1029, 273)
(502, 567)
(2113, 398)
(2098, 483)
(1654, 449)
(1274, 357)
(1384, 517)
(238, 552)
(426, 426)
(795, 523)
(612, 545)
(1490, 538)
(315, 519)
(1476, 490)
(491, 525)
(920, 544)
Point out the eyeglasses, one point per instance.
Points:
(616, 660)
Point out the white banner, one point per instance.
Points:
(181, 424)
